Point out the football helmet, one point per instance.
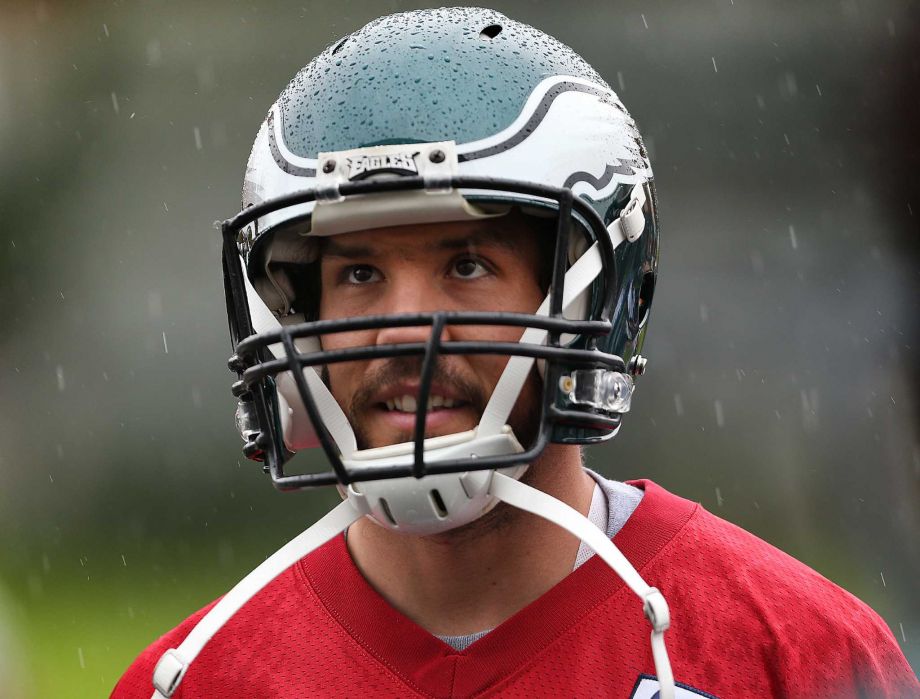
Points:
(426, 117)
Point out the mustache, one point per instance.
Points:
(399, 369)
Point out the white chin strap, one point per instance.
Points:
(654, 606)
(508, 388)
(628, 226)
(175, 662)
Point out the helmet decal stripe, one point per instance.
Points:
(537, 116)
(598, 182)
(285, 164)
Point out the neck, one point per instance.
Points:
(474, 578)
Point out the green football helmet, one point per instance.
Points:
(426, 117)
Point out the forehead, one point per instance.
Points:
(512, 233)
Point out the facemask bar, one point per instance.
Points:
(252, 363)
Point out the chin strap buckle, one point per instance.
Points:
(659, 616)
(656, 610)
(169, 672)
(631, 221)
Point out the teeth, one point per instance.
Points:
(409, 404)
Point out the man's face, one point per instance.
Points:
(489, 265)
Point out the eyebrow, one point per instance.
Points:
(333, 248)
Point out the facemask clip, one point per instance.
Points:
(600, 389)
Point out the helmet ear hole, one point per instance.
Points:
(638, 302)
(644, 301)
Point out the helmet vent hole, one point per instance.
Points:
(338, 46)
(437, 501)
(490, 32)
(387, 513)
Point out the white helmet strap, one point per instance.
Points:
(333, 416)
(628, 226)
(512, 380)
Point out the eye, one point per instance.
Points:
(361, 274)
(468, 268)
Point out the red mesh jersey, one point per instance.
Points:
(747, 621)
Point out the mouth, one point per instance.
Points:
(395, 413)
(384, 411)
(408, 403)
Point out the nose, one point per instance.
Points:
(412, 294)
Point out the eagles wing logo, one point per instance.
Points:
(363, 166)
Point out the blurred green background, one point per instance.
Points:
(782, 389)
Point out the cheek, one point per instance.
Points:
(324, 312)
(487, 367)
(517, 297)
(342, 340)
(343, 378)
(344, 381)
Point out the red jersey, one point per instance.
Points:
(746, 621)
